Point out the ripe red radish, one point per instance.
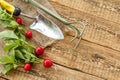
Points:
(27, 66)
(47, 63)
(29, 34)
(39, 51)
(19, 20)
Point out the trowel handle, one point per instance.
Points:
(10, 8)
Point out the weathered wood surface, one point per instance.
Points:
(97, 57)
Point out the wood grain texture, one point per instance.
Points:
(97, 57)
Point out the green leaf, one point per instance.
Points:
(28, 53)
(19, 54)
(5, 18)
(13, 24)
(27, 57)
(7, 68)
(33, 60)
(12, 53)
(30, 49)
(22, 37)
(5, 15)
(4, 23)
(8, 34)
(9, 46)
(20, 28)
(18, 42)
(6, 59)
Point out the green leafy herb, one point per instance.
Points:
(7, 20)
(18, 49)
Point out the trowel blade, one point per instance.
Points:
(47, 27)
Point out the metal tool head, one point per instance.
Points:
(47, 27)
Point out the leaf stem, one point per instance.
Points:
(39, 61)
(27, 43)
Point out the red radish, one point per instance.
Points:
(29, 34)
(19, 20)
(27, 66)
(39, 51)
(47, 63)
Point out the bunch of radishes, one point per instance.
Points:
(39, 51)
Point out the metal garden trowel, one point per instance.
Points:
(41, 24)
(45, 26)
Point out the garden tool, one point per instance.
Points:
(41, 24)
(72, 25)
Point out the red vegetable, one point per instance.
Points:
(27, 66)
(19, 20)
(39, 51)
(29, 34)
(47, 63)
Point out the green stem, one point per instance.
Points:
(39, 61)
(33, 2)
(27, 43)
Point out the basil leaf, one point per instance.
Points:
(31, 55)
(13, 24)
(22, 37)
(5, 15)
(30, 49)
(6, 59)
(18, 42)
(8, 34)
(12, 53)
(28, 53)
(7, 68)
(4, 23)
(9, 46)
(27, 58)
(33, 60)
(19, 54)
(5, 18)
(20, 28)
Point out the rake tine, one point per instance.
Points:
(77, 44)
(84, 27)
(77, 32)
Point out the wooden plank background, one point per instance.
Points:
(97, 57)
